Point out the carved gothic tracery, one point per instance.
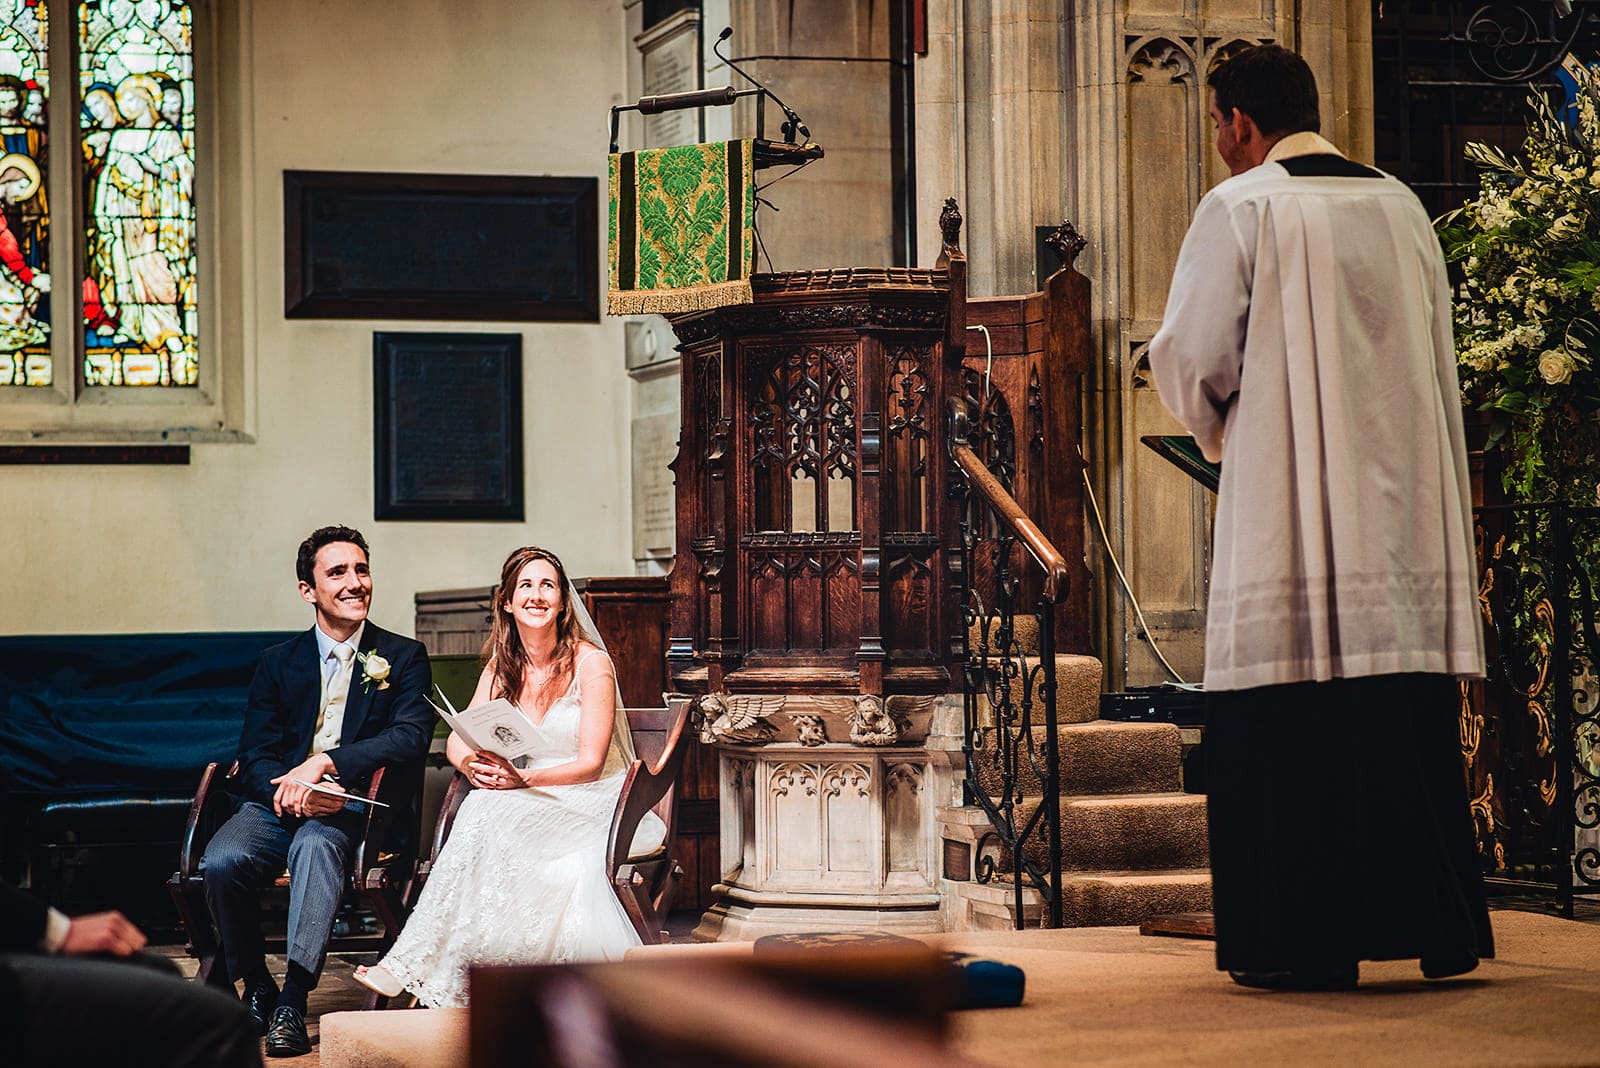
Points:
(803, 436)
(841, 776)
(1161, 62)
(994, 436)
(793, 776)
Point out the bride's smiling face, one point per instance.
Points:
(535, 600)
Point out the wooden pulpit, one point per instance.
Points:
(815, 590)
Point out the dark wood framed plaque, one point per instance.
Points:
(447, 426)
(440, 246)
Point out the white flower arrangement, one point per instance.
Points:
(1527, 311)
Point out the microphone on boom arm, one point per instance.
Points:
(791, 121)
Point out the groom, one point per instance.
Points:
(330, 706)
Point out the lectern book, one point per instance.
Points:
(1184, 452)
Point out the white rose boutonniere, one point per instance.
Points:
(374, 669)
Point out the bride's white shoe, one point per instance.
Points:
(379, 979)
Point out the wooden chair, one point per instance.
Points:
(644, 884)
(379, 879)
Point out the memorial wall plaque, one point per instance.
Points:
(447, 426)
(440, 246)
(670, 57)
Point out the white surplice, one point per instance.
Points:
(1307, 342)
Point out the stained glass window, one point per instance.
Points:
(24, 215)
(136, 84)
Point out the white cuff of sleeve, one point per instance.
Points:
(56, 926)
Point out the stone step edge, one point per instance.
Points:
(1001, 888)
(1174, 797)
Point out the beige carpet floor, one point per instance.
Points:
(1108, 996)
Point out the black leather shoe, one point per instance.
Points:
(287, 1036)
(260, 998)
(1337, 977)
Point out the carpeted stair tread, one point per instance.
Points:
(1077, 689)
(1024, 632)
(1118, 898)
(1103, 757)
(1125, 832)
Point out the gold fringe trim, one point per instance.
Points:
(672, 301)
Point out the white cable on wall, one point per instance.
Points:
(1144, 628)
(988, 363)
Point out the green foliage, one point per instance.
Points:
(1528, 312)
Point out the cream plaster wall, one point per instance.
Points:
(481, 86)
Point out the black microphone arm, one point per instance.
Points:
(792, 124)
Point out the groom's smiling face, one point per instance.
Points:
(342, 591)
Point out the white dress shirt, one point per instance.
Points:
(331, 712)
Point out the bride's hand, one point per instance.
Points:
(490, 771)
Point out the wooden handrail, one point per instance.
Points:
(982, 480)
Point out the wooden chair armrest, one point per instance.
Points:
(376, 830)
(209, 808)
(456, 793)
(647, 788)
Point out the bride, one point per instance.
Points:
(522, 878)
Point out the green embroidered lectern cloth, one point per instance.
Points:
(680, 235)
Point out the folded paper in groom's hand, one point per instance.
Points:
(347, 798)
(492, 727)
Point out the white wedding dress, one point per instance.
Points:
(522, 878)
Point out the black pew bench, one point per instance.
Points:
(102, 741)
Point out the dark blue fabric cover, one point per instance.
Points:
(986, 983)
(121, 713)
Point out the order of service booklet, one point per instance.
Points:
(492, 727)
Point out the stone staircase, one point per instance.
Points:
(1133, 845)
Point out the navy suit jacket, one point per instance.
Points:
(389, 727)
(22, 920)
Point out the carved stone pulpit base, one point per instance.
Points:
(818, 834)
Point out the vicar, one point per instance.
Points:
(328, 707)
(1307, 345)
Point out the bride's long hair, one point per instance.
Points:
(504, 648)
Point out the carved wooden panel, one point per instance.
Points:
(908, 433)
(910, 625)
(802, 427)
(1022, 382)
(809, 450)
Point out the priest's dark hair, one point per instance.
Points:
(305, 561)
(1272, 85)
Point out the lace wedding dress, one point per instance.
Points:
(522, 878)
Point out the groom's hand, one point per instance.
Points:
(295, 799)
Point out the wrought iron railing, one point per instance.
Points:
(1009, 571)
(1531, 731)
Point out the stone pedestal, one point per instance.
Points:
(828, 814)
